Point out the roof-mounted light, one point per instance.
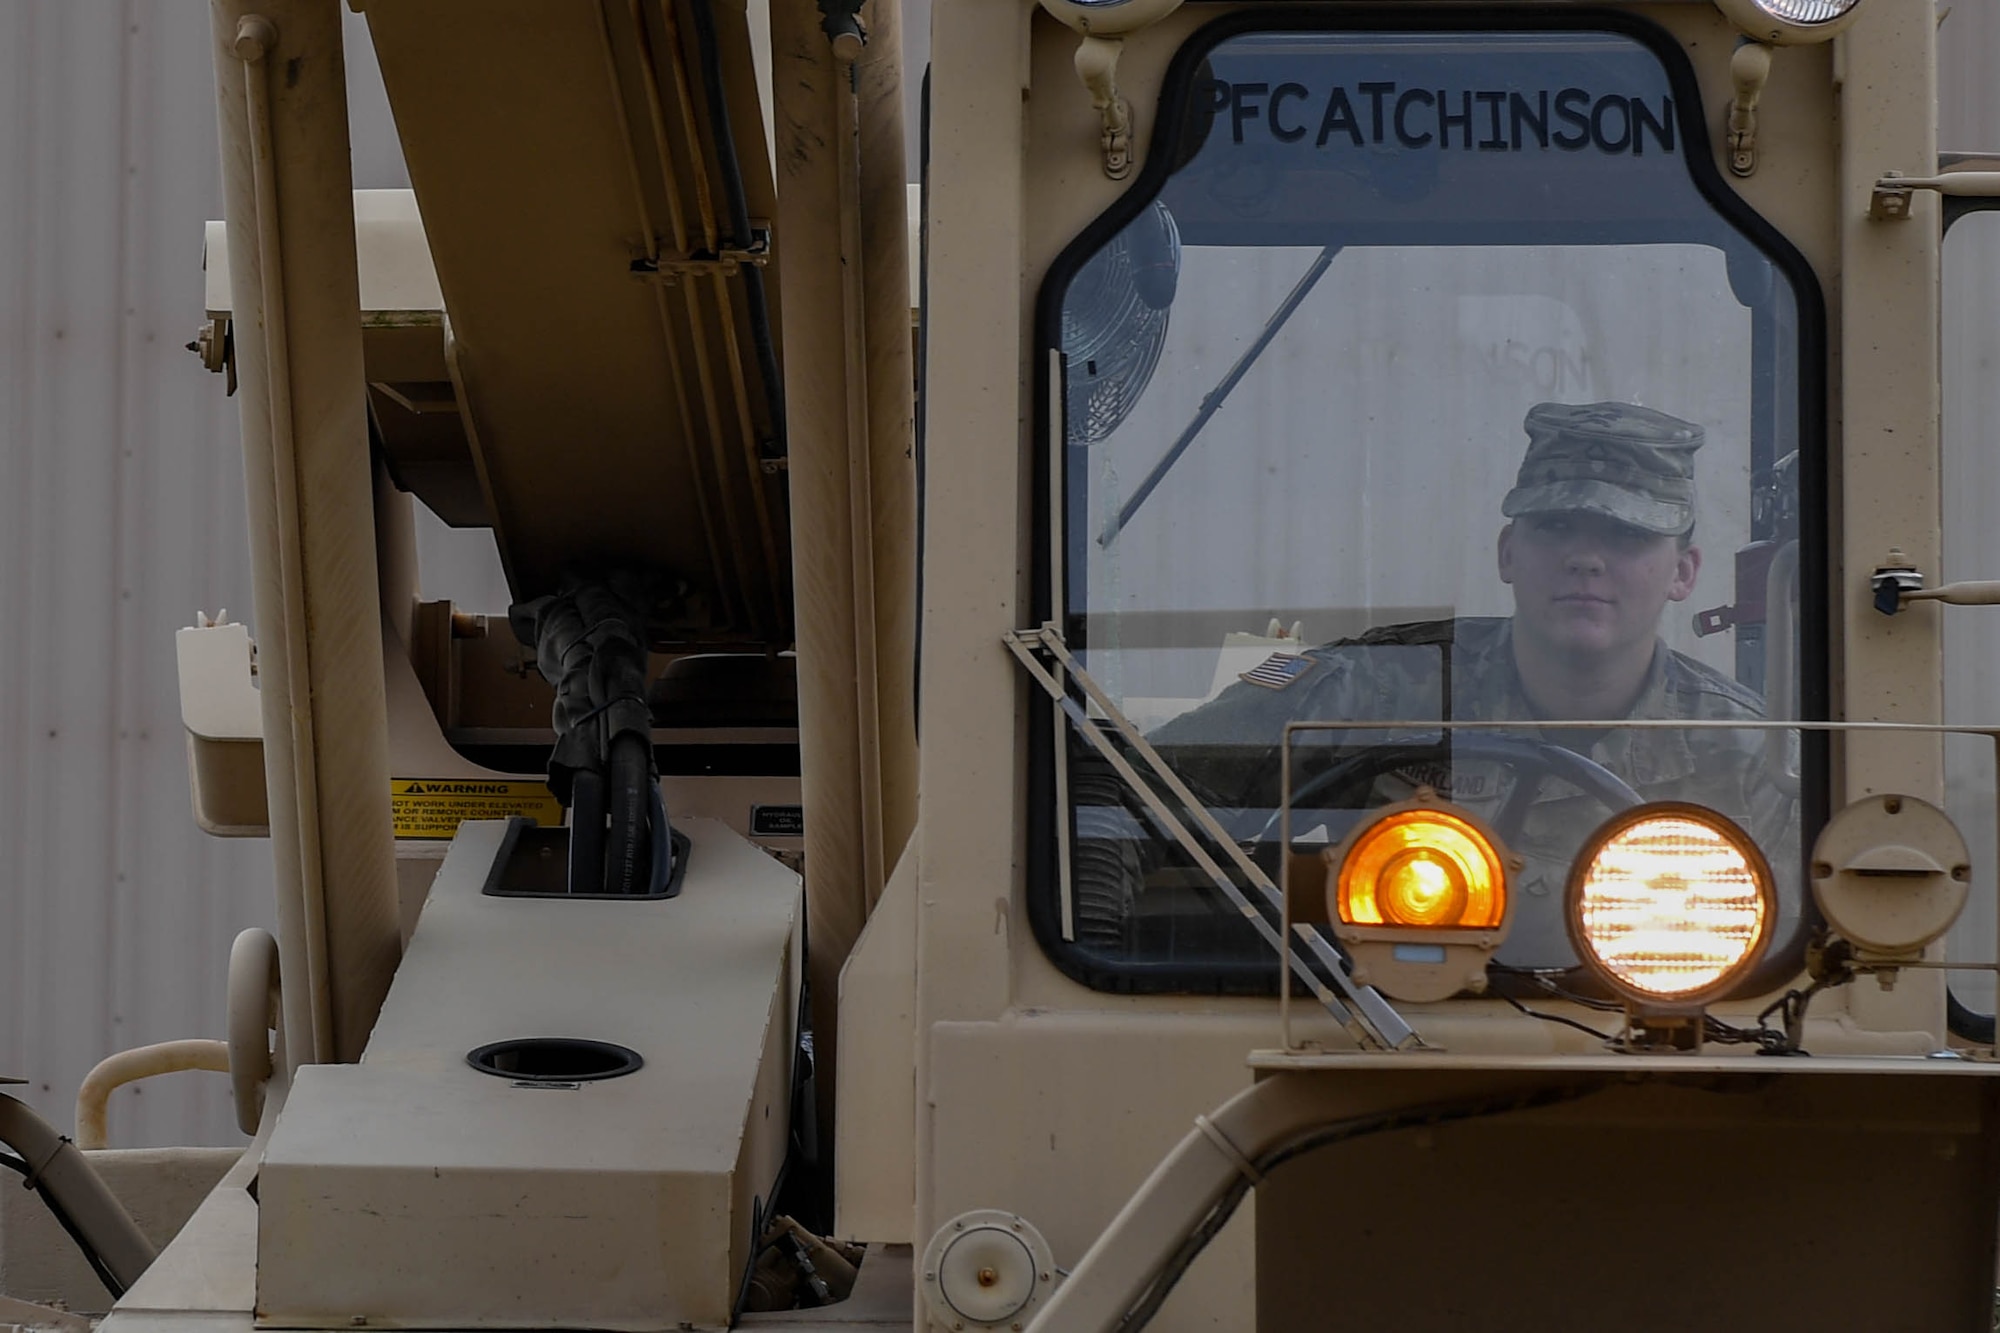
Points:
(1109, 18)
(1790, 22)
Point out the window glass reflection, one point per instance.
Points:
(1428, 389)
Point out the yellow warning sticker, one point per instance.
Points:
(434, 807)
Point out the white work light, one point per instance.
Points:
(1109, 18)
(1670, 905)
(1790, 22)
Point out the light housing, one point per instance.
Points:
(1890, 874)
(1670, 905)
(1109, 18)
(1790, 22)
(1418, 894)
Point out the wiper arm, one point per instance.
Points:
(1220, 393)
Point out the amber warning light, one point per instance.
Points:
(1422, 867)
(1419, 898)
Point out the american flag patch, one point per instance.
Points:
(1278, 670)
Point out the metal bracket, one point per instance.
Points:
(1097, 66)
(215, 343)
(1897, 583)
(1890, 201)
(1894, 192)
(1713, 621)
(1749, 69)
(1892, 582)
(1368, 1017)
(670, 269)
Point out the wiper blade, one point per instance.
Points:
(1220, 393)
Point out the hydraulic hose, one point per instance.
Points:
(586, 831)
(663, 845)
(739, 219)
(1129, 1270)
(629, 795)
(53, 1167)
(590, 644)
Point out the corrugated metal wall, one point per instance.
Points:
(1969, 121)
(121, 513)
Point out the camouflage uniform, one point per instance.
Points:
(1463, 670)
(1626, 463)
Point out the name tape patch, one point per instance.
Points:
(1487, 120)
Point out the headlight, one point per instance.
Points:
(1670, 905)
(1418, 895)
(1790, 22)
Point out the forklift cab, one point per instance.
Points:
(1393, 254)
(1183, 801)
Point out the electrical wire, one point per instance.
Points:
(1342, 1131)
(1773, 1041)
(1558, 1018)
(1792, 1006)
(63, 1219)
(1546, 982)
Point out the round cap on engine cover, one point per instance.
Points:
(985, 1269)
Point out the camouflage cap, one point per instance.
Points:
(1628, 463)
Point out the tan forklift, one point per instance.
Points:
(1391, 667)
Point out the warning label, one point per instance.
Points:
(434, 807)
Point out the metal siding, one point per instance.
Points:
(125, 515)
(1969, 120)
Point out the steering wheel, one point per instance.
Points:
(1531, 760)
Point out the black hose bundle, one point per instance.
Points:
(590, 644)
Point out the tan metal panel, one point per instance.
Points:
(571, 355)
(1890, 483)
(436, 1196)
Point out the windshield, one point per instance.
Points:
(1422, 383)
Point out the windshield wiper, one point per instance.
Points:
(1220, 393)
